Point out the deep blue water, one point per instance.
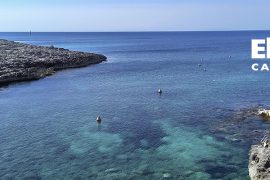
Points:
(194, 130)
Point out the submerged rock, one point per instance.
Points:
(22, 62)
(259, 162)
(200, 175)
(112, 170)
(260, 111)
(166, 175)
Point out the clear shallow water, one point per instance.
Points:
(192, 131)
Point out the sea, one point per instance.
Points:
(199, 128)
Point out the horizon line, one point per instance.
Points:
(134, 31)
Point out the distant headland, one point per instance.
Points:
(24, 62)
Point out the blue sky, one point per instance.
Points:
(134, 15)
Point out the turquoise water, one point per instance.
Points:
(195, 130)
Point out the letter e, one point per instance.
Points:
(256, 49)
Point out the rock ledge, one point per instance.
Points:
(23, 62)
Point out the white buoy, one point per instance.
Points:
(98, 119)
(159, 91)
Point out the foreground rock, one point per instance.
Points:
(22, 62)
(259, 161)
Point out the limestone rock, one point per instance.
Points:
(21, 62)
(259, 162)
(264, 113)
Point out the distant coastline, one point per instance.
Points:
(24, 62)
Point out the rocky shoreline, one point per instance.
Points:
(259, 155)
(259, 162)
(241, 126)
(24, 62)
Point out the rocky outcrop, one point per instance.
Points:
(21, 62)
(264, 113)
(259, 162)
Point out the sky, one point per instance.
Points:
(133, 15)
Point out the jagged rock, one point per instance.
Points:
(259, 162)
(264, 113)
(21, 62)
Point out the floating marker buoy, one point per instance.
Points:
(98, 119)
(159, 91)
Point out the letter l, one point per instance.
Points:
(268, 48)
